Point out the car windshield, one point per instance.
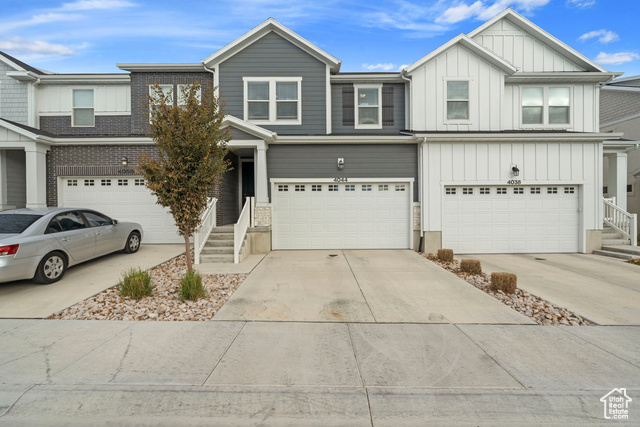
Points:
(16, 223)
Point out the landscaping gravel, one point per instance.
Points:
(541, 311)
(164, 304)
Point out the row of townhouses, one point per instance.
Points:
(488, 144)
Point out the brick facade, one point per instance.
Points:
(104, 125)
(140, 91)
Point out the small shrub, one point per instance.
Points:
(191, 287)
(136, 284)
(445, 255)
(505, 282)
(471, 266)
(635, 261)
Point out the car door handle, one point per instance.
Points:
(98, 233)
(65, 239)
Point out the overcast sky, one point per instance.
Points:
(72, 36)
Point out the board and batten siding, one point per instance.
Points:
(361, 161)
(108, 99)
(487, 164)
(428, 92)
(398, 111)
(273, 56)
(522, 49)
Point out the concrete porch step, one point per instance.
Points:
(223, 229)
(624, 249)
(615, 242)
(221, 236)
(216, 258)
(612, 235)
(219, 243)
(612, 254)
(217, 251)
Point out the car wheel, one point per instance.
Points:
(51, 268)
(133, 243)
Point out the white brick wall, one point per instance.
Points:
(13, 97)
(263, 216)
(416, 218)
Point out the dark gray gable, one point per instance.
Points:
(240, 134)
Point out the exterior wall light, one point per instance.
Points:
(514, 170)
(125, 161)
(340, 163)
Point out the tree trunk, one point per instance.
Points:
(188, 251)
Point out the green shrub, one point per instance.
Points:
(505, 282)
(191, 287)
(445, 255)
(135, 284)
(471, 266)
(635, 261)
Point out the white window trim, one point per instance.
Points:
(73, 124)
(356, 87)
(179, 101)
(545, 108)
(446, 99)
(173, 96)
(273, 120)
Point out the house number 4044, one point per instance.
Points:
(514, 182)
(340, 179)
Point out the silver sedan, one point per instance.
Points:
(40, 244)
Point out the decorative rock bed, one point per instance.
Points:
(163, 304)
(541, 311)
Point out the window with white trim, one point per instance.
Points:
(333, 187)
(182, 90)
(458, 100)
(316, 187)
(501, 190)
(167, 90)
(83, 108)
(72, 183)
(368, 103)
(450, 190)
(273, 100)
(546, 105)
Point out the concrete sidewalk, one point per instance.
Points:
(395, 286)
(288, 373)
(603, 290)
(31, 300)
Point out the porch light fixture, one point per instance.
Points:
(340, 163)
(125, 161)
(514, 170)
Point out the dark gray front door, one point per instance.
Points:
(248, 188)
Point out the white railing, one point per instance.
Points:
(612, 200)
(206, 226)
(621, 221)
(240, 227)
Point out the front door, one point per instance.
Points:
(248, 187)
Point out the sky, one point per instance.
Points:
(91, 36)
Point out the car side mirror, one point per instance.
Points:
(114, 221)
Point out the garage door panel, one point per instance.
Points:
(525, 219)
(358, 216)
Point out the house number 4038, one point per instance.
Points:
(514, 182)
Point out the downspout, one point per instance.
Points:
(407, 102)
(34, 112)
(213, 77)
(421, 187)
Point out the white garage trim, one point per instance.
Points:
(531, 218)
(137, 204)
(408, 210)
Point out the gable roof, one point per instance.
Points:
(268, 26)
(250, 128)
(521, 22)
(18, 65)
(468, 43)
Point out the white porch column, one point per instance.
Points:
(3, 179)
(262, 185)
(617, 185)
(36, 165)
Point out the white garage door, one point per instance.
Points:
(510, 219)
(125, 199)
(342, 216)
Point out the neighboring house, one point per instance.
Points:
(490, 143)
(620, 112)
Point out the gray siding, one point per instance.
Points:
(16, 178)
(361, 161)
(615, 105)
(273, 56)
(104, 125)
(336, 112)
(13, 97)
(238, 134)
(140, 91)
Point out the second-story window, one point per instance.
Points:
(368, 114)
(182, 92)
(273, 100)
(167, 90)
(83, 108)
(457, 100)
(546, 106)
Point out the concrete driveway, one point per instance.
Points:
(28, 299)
(601, 289)
(360, 286)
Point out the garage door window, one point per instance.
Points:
(450, 190)
(366, 187)
(139, 182)
(535, 190)
(105, 182)
(123, 182)
(383, 187)
(333, 187)
(569, 190)
(300, 187)
(518, 190)
(349, 187)
(88, 183)
(501, 190)
(316, 187)
(467, 190)
(400, 187)
(485, 190)
(72, 183)
(552, 190)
